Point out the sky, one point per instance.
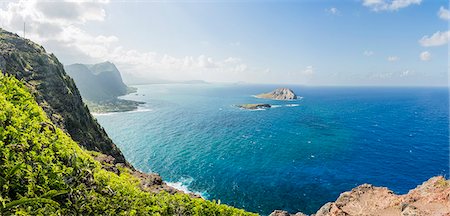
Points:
(305, 42)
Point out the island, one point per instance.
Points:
(254, 106)
(279, 94)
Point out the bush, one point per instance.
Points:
(44, 172)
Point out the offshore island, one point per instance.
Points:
(277, 94)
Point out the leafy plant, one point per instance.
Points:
(44, 172)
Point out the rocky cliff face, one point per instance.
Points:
(430, 198)
(98, 82)
(54, 91)
(279, 94)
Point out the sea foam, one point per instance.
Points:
(183, 185)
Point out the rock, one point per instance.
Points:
(254, 106)
(279, 213)
(150, 182)
(285, 213)
(98, 82)
(430, 198)
(153, 182)
(279, 94)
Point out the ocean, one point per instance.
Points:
(295, 156)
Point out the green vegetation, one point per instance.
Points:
(44, 172)
(114, 105)
(55, 92)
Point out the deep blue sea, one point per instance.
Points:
(296, 156)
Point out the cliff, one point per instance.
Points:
(98, 82)
(279, 94)
(100, 86)
(44, 172)
(430, 198)
(54, 91)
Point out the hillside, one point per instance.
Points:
(98, 82)
(54, 91)
(100, 85)
(44, 172)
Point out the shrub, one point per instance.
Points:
(44, 172)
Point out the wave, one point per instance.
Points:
(183, 185)
(103, 114)
(138, 110)
(251, 110)
(292, 105)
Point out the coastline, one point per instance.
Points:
(178, 183)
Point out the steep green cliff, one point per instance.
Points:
(54, 91)
(44, 172)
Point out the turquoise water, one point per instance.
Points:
(296, 156)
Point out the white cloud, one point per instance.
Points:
(309, 70)
(444, 13)
(437, 39)
(404, 73)
(368, 53)
(392, 58)
(389, 5)
(425, 56)
(59, 25)
(333, 11)
(381, 75)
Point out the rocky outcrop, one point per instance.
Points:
(98, 82)
(279, 94)
(54, 91)
(100, 86)
(254, 106)
(430, 198)
(285, 213)
(150, 182)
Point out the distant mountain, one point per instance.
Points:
(194, 82)
(135, 80)
(98, 82)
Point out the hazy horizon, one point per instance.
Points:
(326, 43)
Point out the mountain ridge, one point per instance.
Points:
(55, 92)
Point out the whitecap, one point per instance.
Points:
(138, 110)
(102, 114)
(292, 105)
(259, 109)
(183, 185)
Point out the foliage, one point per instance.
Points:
(55, 92)
(44, 172)
(113, 105)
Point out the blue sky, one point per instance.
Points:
(359, 42)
